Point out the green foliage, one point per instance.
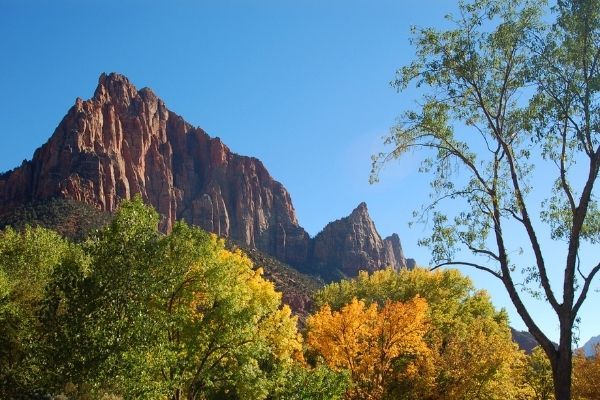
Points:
(538, 375)
(319, 383)
(27, 260)
(133, 313)
(156, 315)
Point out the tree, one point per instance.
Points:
(27, 259)
(505, 91)
(319, 383)
(586, 375)
(145, 315)
(461, 361)
(538, 375)
(370, 342)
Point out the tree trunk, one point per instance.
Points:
(562, 363)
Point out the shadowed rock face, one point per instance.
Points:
(122, 142)
(353, 244)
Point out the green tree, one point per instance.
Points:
(27, 259)
(538, 375)
(507, 90)
(145, 315)
(319, 383)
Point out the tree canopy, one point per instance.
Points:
(133, 313)
(512, 85)
(461, 347)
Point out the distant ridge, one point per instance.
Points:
(589, 348)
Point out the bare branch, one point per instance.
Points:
(486, 252)
(467, 264)
(514, 215)
(586, 288)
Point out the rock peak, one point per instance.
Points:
(116, 87)
(360, 210)
(393, 237)
(362, 206)
(352, 244)
(112, 78)
(124, 141)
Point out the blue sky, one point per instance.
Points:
(302, 85)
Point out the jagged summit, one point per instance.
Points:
(125, 141)
(362, 207)
(361, 211)
(114, 86)
(358, 245)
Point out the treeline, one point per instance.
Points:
(130, 313)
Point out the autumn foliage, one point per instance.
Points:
(453, 344)
(586, 376)
(376, 344)
(132, 313)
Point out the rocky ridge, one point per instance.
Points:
(125, 141)
(353, 243)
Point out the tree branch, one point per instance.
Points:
(563, 170)
(584, 291)
(467, 264)
(541, 266)
(484, 252)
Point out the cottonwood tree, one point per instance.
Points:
(146, 315)
(371, 342)
(459, 362)
(506, 90)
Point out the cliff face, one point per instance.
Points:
(353, 243)
(122, 142)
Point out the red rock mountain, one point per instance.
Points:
(123, 141)
(353, 243)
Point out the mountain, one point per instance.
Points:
(125, 141)
(353, 243)
(524, 339)
(589, 348)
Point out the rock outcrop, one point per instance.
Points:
(352, 244)
(124, 142)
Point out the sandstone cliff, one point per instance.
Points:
(353, 243)
(122, 142)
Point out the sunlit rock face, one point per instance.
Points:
(123, 141)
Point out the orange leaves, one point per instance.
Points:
(340, 336)
(586, 376)
(370, 341)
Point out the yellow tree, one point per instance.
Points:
(377, 345)
(471, 351)
(586, 376)
(538, 376)
(478, 361)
